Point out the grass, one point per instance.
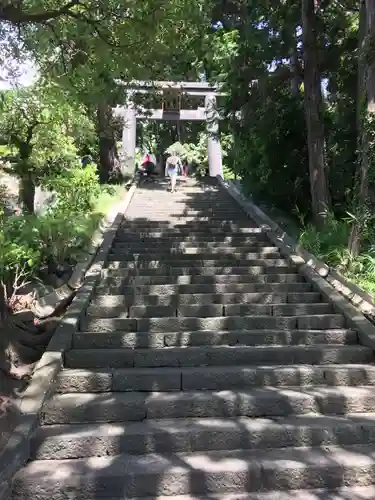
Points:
(109, 194)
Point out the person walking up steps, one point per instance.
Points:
(172, 168)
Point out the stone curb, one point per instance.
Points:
(297, 255)
(46, 305)
(16, 452)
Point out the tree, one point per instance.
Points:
(365, 123)
(37, 122)
(87, 54)
(314, 115)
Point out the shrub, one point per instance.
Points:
(330, 245)
(76, 190)
(20, 252)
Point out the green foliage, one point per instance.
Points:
(38, 123)
(330, 245)
(29, 241)
(76, 189)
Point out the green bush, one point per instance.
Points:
(20, 251)
(29, 241)
(77, 189)
(330, 245)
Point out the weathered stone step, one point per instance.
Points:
(161, 262)
(270, 402)
(202, 239)
(190, 247)
(190, 226)
(218, 356)
(247, 253)
(59, 442)
(213, 378)
(283, 268)
(129, 476)
(117, 340)
(210, 310)
(177, 324)
(182, 231)
(117, 303)
(213, 288)
(344, 493)
(189, 235)
(115, 284)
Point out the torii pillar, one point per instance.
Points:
(129, 132)
(215, 162)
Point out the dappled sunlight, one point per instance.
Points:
(204, 365)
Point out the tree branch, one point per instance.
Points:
(15, 15)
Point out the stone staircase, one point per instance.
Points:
(205, 367)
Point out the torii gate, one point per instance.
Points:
(171, 93)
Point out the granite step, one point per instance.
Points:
(213, 378)
(131, 340)
(115, 284)
(180, 324)
(185, 261)
(247, 253)
(344, 493)
(277, 267)
(117, 303)
(190, 247)
(270, 402)
(202, 239)
(217, 355)
(59, 442)
(187, 234)
(126, 475)
(212, 288)
(210, 310)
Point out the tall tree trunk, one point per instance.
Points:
(109, 167)
(365, 116)
(314, 120)
(26, 192)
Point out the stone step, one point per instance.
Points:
(247, 253)
(117, 340)
(202, 239)
(344, 493)
(217, 356)
(213, 378)
(115, 284)
(59, 442)
(201, 279)
(190, 247)
(185, 231)
(270, 402)
(283, 268)
(179, 324)
(189, 235)
(190, 227)
(117, 303)
(126, 475)
(213, 288)
(186, 261)
(210, 310)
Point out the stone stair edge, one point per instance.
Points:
(174, 435)
(332, 284)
